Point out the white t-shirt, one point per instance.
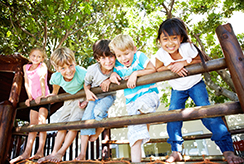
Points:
(187, 51)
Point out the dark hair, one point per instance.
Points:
(100, 48)
(173, 26)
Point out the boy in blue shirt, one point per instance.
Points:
(70, 77)
(129, 65)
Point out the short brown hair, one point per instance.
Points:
(100, 49)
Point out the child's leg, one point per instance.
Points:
(136, 151)
(67, 142)
(216, 125)
(57, 144)
(101, 112)
(84, 142)
(43, 112)
(94, 137)
(177, 101)
(30, 140)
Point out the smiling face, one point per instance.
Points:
(36, 57)
(67, 71)
(171, 44)
(125, 57)
(107, 63)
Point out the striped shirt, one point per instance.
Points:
(140, 62)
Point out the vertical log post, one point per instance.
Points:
(7, 113)
(234, 58)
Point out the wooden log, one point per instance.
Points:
(8, 112)
(193, 69)
(229, 108)
(234, 58)
(160, 140)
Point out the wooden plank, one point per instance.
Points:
(147, 79)
(234, 58)
(223, 109)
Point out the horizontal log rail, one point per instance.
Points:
(229, 108)
(159, 140)
(193, 69)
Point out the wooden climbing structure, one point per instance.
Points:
(12, 96)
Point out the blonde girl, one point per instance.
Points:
(35, 76)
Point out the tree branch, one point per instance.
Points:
(170, 9)
(219, 90)
(223, 73)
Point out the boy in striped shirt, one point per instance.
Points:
(129, 65)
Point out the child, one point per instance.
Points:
(176, 52)
(129, 65)
(35, 75)
(70, 77)
(97, 75)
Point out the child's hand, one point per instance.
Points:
(105, 85)
(183, 72)
(115, 78)
(131, 83)
(38, 100)
(27, 102)
(178, 68)
(82, 104)
(90, 96)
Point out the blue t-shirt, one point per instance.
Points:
(140, 62)
(73, 86)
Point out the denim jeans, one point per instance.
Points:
(97, 110)
(199, 95)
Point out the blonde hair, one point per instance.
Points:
(121, 42)
(42, 51)
(62, 56)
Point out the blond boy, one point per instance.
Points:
(70, 77)
(129, 65)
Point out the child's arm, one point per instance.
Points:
(42, 82)
(160, 66)
(90, 96)
(178, 67)
(27, 102)
(115, 78)
(55, 90)
(131, 83)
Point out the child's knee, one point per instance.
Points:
(99, 114)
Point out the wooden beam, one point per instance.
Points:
(157, 117)
(8, 112)
(234, 58)
(212, 65)
(160, 140)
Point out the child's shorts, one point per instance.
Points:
(147, 103)
(71, 111)
(36, 108)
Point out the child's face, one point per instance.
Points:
(67, 71)
(107, 62)
(125, 57)
(171, 44)
(36, 57)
